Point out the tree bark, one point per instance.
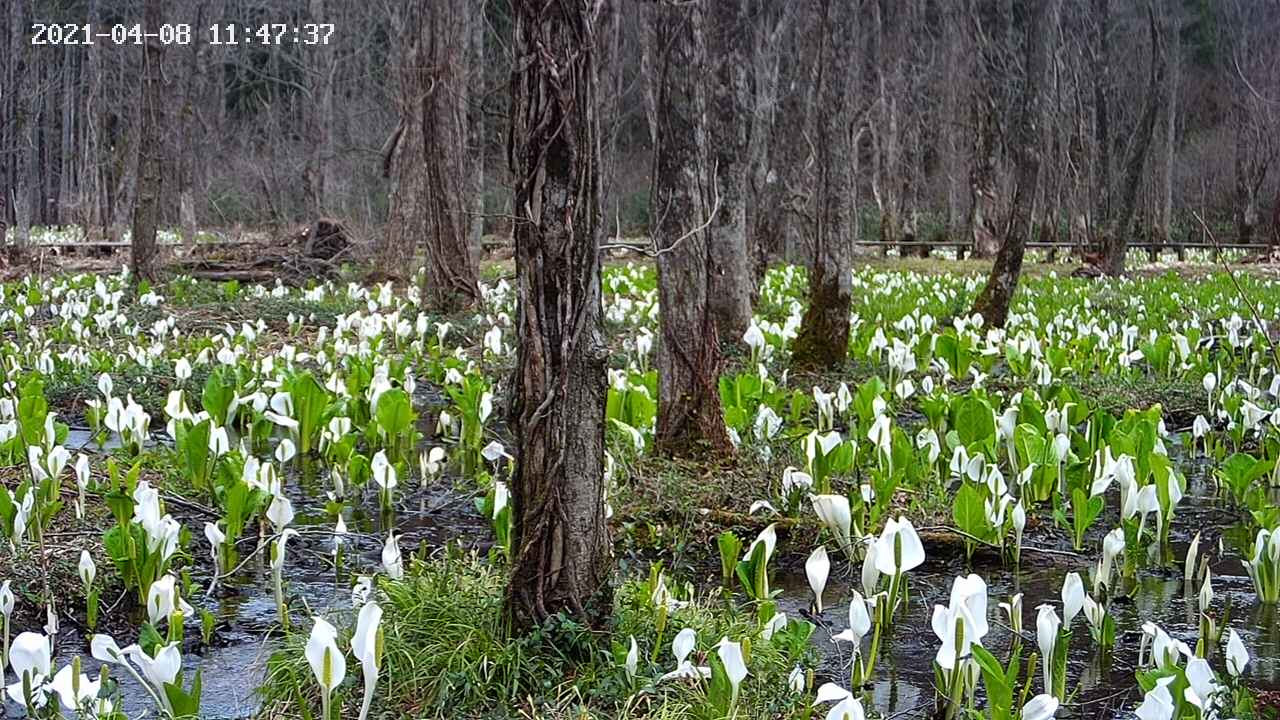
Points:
(1275, 220)
(321, 67)
(1117, 245)
(823, 338)
(146, 209)
(563, 553)
(1248, 181)
(1102, 122)
(1170, 137)
(982, 224)
(424, 159)
(731, 286)
(993, 302)
(478, 138)
(762, 217)
(690, 420)
(22, 132)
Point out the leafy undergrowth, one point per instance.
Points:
(448, 654)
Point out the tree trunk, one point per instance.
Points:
(993, 302)
(1275, 220)
(1117, 245)
(1247, 180)
(146, 209)
(478, 139)
(823, 339)
(1102, 123)
(424, 158)
(321, 67)
(730, 288)
(195, 100)
(1170, 138)
(563, 552)
(690, 420)
(21, 129)
(982, 224)
(762, 221)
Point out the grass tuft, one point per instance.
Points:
(447, 654)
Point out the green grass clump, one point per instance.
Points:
(448, 655)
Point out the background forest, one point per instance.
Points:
(265, 136)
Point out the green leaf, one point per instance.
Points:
(730, 546)
(395, 412)
(311, 404)
(999, 691)
(8, 512)
(217, 396)
(195, 450)
(974, 421)
(969, 511)
(719, 690)
(149, 639)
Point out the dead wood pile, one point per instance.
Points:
(314, 252)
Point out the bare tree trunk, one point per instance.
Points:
(1275, 220)
(67, 172)
(1247, 180)
(982, 224)
(424, 157)
(318, 175)
(478, 140)
(690, 420)
(146, 211)
(953, 161)
(1102, 123)
(23, 129)
(1118, 243)
(451, 279)
(766, 70)
(1170, 137)
(993, 302)
(563, 552)
(195, 93)
(823, 338)
(730, 288)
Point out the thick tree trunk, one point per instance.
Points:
(823, 339)
(478, 139)
(424, 158)
(1118, 242)
(404, 155)
(730, 289)
(982, 224)
(690, 420)
(146, 209)
(993, 302)
(563, 553)
(762, 221)
(195, 93)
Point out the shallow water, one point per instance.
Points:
(902, 686)
(235, 666)
(1103, 685)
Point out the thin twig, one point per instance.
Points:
(1050, 551)
(1260, 97)
(653, 250)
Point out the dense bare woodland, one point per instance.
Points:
(1151, 110)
